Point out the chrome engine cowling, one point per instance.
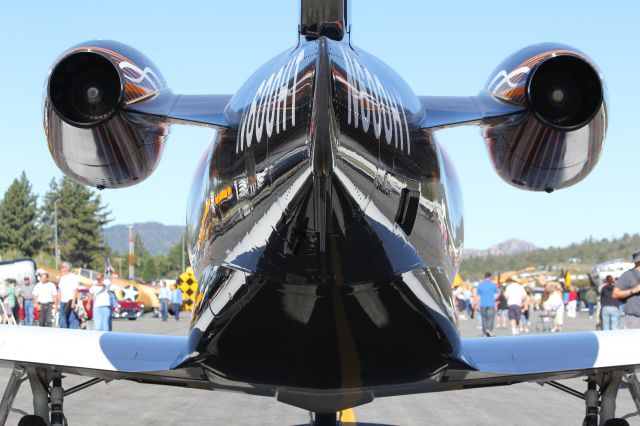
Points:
(557, 141)
(91, 136)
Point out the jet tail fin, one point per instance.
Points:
(329, 18)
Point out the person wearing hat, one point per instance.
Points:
(627, 290)
(26, 300)
(101, 300)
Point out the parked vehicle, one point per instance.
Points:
(83, 295)
(145, 294)
(125, 308)
(129, 309)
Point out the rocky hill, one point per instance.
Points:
(584, 254)
(156, 237)
(509, 247)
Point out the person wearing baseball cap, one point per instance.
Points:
(627, 290)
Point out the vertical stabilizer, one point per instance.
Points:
(329, 18)
(323, 137)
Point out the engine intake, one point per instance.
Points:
(85, 89)
(565, 92)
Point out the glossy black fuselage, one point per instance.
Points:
(325, 229)
(324, 220)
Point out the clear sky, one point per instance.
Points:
(439, 48)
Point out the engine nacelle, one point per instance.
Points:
(91, 136)
(557, 141)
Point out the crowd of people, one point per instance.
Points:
(614, 304)
(44, 298)
(166, 296)
(61, 305)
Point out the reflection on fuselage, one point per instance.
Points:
(358, 256)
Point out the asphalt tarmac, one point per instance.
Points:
(128, 403)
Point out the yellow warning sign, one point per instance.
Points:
(186, 282)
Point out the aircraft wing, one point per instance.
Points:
(109, 355)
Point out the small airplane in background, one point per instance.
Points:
(324, 222)
(123, 289)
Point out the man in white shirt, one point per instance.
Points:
(67, 297)
(101, 300)
(516, 296)
(44, 296)
(164, 295)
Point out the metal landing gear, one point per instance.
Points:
(609, 392)
(634, 388)
(600, 397)
(40, 397)
(56, 396)
(16, 379)
(48, 396)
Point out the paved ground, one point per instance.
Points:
(125, 403)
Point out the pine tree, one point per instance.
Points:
(140, 251)
(47, 215)
(174, 260)
(149, 269)
(81, 216)
(140, 255)
(19, 230)
(161, 265)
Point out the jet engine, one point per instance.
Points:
(91, 135)
(558, 138)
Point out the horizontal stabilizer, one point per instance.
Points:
(554, 353)
(89, 350)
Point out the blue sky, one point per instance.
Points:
(439, 48)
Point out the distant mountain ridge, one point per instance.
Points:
(156, 237)
(589, 252)
(505, 248)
